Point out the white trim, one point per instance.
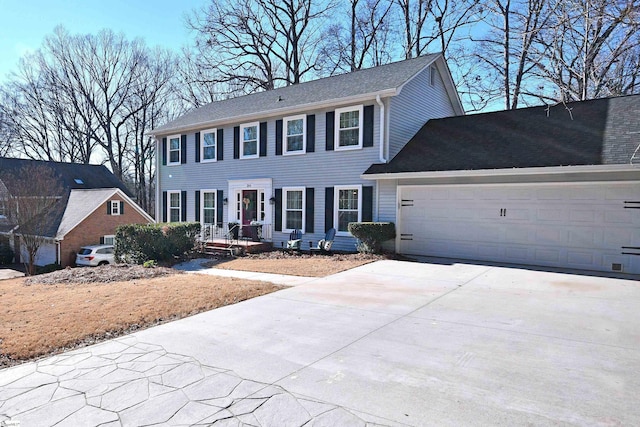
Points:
(215, 204)
(338, 111)
(113, 203)
(264, 185)
(336, 199)
(382, 129)
(549, 170)
(242, 128)
(111, 236)
(285, 122)
(169, 193)
(284, 208)
(280, 112)
(213, 131)
(169, 150)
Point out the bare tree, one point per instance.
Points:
(35, 198)
(257, 44)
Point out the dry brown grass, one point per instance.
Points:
(296, 264)
(41, 319)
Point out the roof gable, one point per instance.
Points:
(596, 132)
(368, 82)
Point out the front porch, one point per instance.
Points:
(234, 239)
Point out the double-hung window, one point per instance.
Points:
(249, 136)
(3, 210)
(293, 210)
(348, 128)
(295, 134)
(348, 207)
(208, 146)
(174, 206)
(109, 239)
(208, 206)
(115, 207)
(174, 150)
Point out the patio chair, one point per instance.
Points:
(295, 241)
(324, 245)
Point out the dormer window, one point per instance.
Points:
(348, 128)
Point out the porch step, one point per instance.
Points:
(236, 248)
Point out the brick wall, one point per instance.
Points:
(95, 226)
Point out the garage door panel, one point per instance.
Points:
(571, 225)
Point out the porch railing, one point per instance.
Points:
(230, 232)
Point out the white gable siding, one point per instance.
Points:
(318, 170)
(418, 102)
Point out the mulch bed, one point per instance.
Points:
(101, 274)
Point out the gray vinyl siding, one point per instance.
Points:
(417, 103)
(387, 206)
(318, 170)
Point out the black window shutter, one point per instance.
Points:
(220, 145)
(102, 240)
(367, 124)
(236, 142)
(278, 137)
(183, 206)
(121, 208)
(328, 208)
(263, 139)
(197, 205)
(330, 130)
(278, 218)
(164, 151)
(219, 207)
(164, 206)
(309, 202)
(197, 147)
(183, 149)
(367, 204)
(109, 207)
(311, 133)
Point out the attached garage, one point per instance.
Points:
(589, 226)
(555, 186)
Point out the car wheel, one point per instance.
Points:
(103, 263)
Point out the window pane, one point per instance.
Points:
(348, 199)
(209, 139)
(209, 216)
(174, 144)
(294, 127)
(349, 119)
(344, 218)
(294, 199)
(349, 137)
(250, 133)
(209, 146)
(209, 153)
(209, 200)
(294, 220)
(174, 156)
(174, 215)
(294, 143)
(174, 200)
(250, 148)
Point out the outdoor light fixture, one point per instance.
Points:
(225, 201)
(272, 200)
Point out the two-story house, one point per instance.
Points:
(293, 158)
(95, 202)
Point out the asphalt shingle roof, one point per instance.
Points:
(362, 82)
(596, 132)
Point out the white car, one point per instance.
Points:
(95, 255)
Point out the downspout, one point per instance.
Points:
(382, 130)
(157, 214)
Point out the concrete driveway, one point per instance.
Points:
(390, 343)
(8, 273)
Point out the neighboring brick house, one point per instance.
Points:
(96, 204)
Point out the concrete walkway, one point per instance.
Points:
(8, 273)
(389, 343)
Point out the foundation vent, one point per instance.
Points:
(616, 266)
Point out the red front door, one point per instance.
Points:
(249, 206)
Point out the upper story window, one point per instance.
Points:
(208, 146)
(348, 128)
(348, 207)
(174, 206)
(174, 150)
(293, 209)
(296, 137)
(249, 135)
(115, 208)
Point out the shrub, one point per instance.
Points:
(150, 264)
(137, 243)
(6, 253)
(371, 235)
(48, 268)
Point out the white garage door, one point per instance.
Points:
(583, 226)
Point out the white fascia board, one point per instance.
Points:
(336, 102)
(550, 170)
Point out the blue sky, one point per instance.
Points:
(25, 23)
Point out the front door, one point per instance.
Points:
(249, 206)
